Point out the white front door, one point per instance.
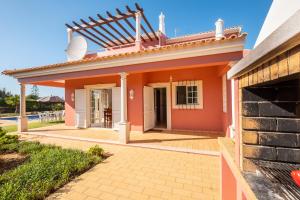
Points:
(149, 112)
(80, 108)
(116, 107)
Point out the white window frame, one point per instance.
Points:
(224, 92)
(167, 86)
(199, 85)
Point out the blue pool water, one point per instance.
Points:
(30, 118)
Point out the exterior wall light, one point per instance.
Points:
(131, 94)
(72, 97)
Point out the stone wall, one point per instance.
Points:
(271, 122)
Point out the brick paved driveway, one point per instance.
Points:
(139, 173)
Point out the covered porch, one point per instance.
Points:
(185, 141)
(133, 104)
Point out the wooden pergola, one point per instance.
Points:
(116, 30)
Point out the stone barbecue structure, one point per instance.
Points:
(270, 105)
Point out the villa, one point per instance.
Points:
(142, 79)
(205, 84)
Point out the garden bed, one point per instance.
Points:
(10, 160)
(37, 170)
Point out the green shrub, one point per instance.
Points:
(47, 169)
(2, 132)
(96, 151)
(7, 139)
(12, 147)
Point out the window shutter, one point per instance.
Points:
(116, 107)
(80, 108)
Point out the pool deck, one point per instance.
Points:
(7, 123)
(12, 122)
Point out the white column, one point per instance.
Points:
(123, 97)
(124, 125)
(69, 34)
(22, 120)
(138, 17)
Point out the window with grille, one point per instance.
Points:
(187, 95)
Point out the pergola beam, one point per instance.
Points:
(129, 24)
(104, 29)
(113, 28)
(104, 21)
(109, 35)
(142, 27)
(84, 35)
(146, 20)
(120, 25)
(94, 29)
(92, 34)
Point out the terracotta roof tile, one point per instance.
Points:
(128, 54)
(204, 35)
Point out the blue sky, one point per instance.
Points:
(33, 33)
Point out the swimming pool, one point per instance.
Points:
(30, 118)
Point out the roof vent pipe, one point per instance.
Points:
(219, 29)
(162, 28)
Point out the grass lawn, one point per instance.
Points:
(45, 169)
(31, 125)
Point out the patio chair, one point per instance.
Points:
(58, 115)
(41, 117)
(47, 116)
(63, 115)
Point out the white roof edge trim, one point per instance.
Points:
(154, 57)
(286, 31)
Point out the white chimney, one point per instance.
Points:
(219, 29)
(162, 28)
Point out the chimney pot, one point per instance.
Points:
(162, 28)
(219, 29)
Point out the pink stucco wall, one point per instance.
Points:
(230, 187)
(135, 106)
(228, 182)
(227, 116)
(210, 118)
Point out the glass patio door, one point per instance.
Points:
(101, 108)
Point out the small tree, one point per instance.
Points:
(3, 95)
(13, 101)
(34, 92)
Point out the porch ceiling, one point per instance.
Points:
(60, 83)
